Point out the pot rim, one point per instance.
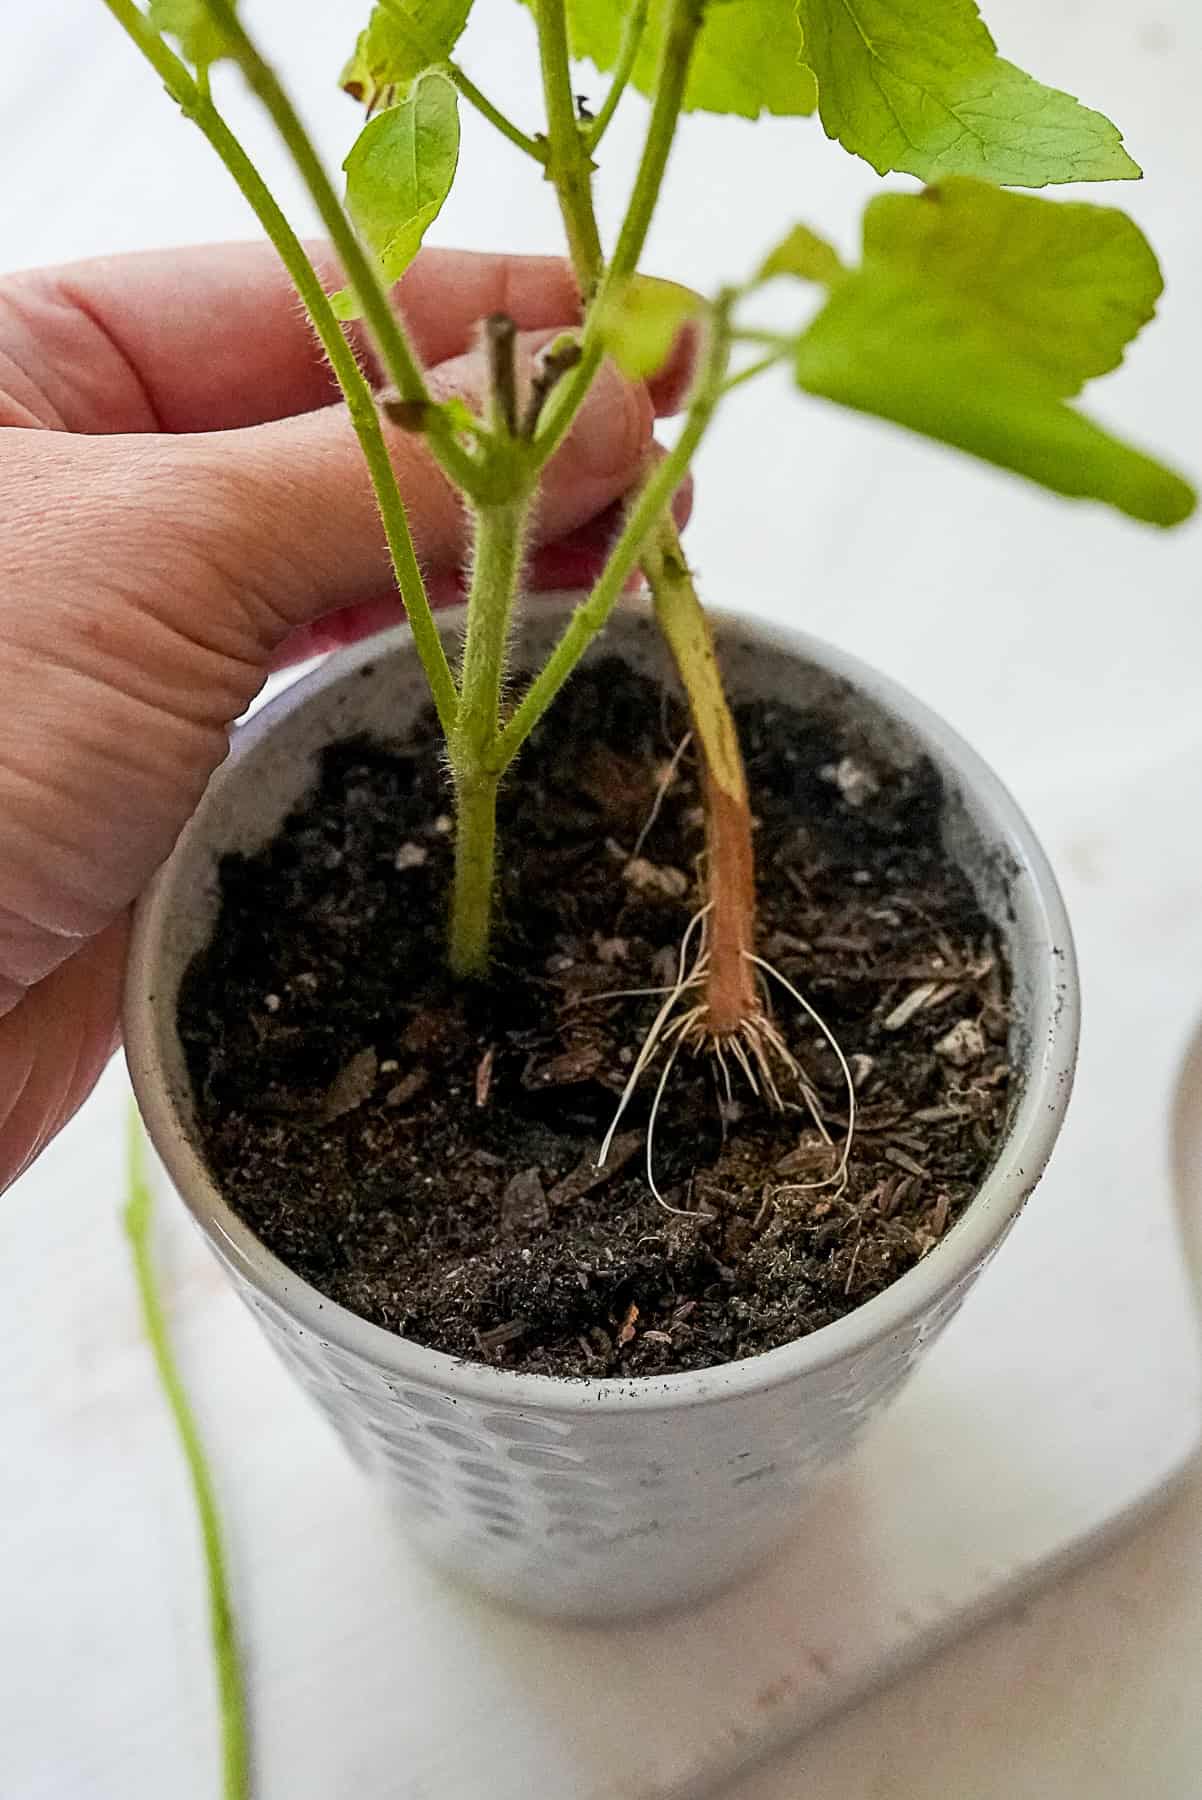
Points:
(1052, 1047)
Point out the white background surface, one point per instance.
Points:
(1066, 643)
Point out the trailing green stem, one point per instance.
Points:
(628, 49)
(139, 1207)
(381, 318)
(351, 380)
(500, 534)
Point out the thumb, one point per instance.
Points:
(297, 511)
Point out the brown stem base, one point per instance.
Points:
(730, 992)
(730, 996)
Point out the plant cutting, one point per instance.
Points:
(770, 966)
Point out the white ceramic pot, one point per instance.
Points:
(600, 1498)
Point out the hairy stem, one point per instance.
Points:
(576, 201)
(628, 49)
(500, 534)
(647, 520)
(383, 322)
(730, 986)
(568, 163)
(684, 24)
(235, 1753)
(475, 875)
(356, 391)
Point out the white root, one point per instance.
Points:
(679, 1212)
(651, 1041)
(759, 1050)
(839, 1177)
(661, 794)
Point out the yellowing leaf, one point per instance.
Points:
(917, 85)
(398, 174)
(640, 324)
(747, 59)
(402, 38)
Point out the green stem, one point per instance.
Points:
(753, 369)
(350, 377)
(494, 115)
(382, 320)
(139, 1208)
(647, 514)
(567, 158)
(773, 340)
(475, 875)
(683, 27)
(500, 533)
(676, 57)
(632, 37)
(651, 537)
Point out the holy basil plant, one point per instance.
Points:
(974, 315)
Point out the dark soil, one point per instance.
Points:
(426, 1155)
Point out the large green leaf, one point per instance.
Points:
(956, 326)
(398, 173)
(747, 59)
(917, 85)
(201, 40)
(1065, 286)
(402, 38)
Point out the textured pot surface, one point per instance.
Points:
(596, 1499)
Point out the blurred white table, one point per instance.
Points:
(1068, 644)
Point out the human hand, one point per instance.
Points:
(182, 507)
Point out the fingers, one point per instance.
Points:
(294, 511)
(75, 1009)
(445, 294)
(213, 338)
(198, 339)
(575, 561)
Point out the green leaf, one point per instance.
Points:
(398, 174)
(974, 313)
(1066, 286)
(747, 59)
(804, 254)
(200, 38)
(640, 323)
(918, 86)
(402, 38)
